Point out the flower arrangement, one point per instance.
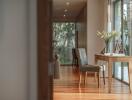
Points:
(107, 37)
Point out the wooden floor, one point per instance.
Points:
(67, 88)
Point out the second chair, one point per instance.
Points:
(84, 67)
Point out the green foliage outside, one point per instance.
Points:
(125, 29)
(64, 41)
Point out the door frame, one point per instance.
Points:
(44, 49)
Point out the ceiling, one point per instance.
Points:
(67, 10)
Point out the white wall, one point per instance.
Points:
(16, 50)
(95, 22)
(33, 50)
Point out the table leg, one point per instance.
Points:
(109, 76)
(130, 75)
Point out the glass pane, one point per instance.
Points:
(118, 16)
(118, 39)
(125, 73)
(125, 27)
(127, 8)
(118, 70)
(64, 41)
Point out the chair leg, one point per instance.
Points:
(75, 63)
(80, 78)
(72, 62)
(85, 77)
(95, 75)
(98, 80)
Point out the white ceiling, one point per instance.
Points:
(73, 9)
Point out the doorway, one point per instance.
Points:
(69, 31)
(64, 41)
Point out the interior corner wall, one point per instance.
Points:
(81, 27)
(32, 78)
(15, 49)
(96, 18)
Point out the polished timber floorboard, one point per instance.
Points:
(67, 87)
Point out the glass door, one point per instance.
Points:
(127, 31)
(123, 25)
(117, 27)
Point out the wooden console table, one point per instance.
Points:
(110, 59)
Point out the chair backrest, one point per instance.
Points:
(82, 56)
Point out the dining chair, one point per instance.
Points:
(74, 59)
(84, 67)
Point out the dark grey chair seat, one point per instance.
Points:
(91, 68)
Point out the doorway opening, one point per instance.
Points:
(69, 32)
(64, 41)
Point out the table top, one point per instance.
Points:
(112, 55)
(122, 58)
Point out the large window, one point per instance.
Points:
(64, 41)
(122, 24)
